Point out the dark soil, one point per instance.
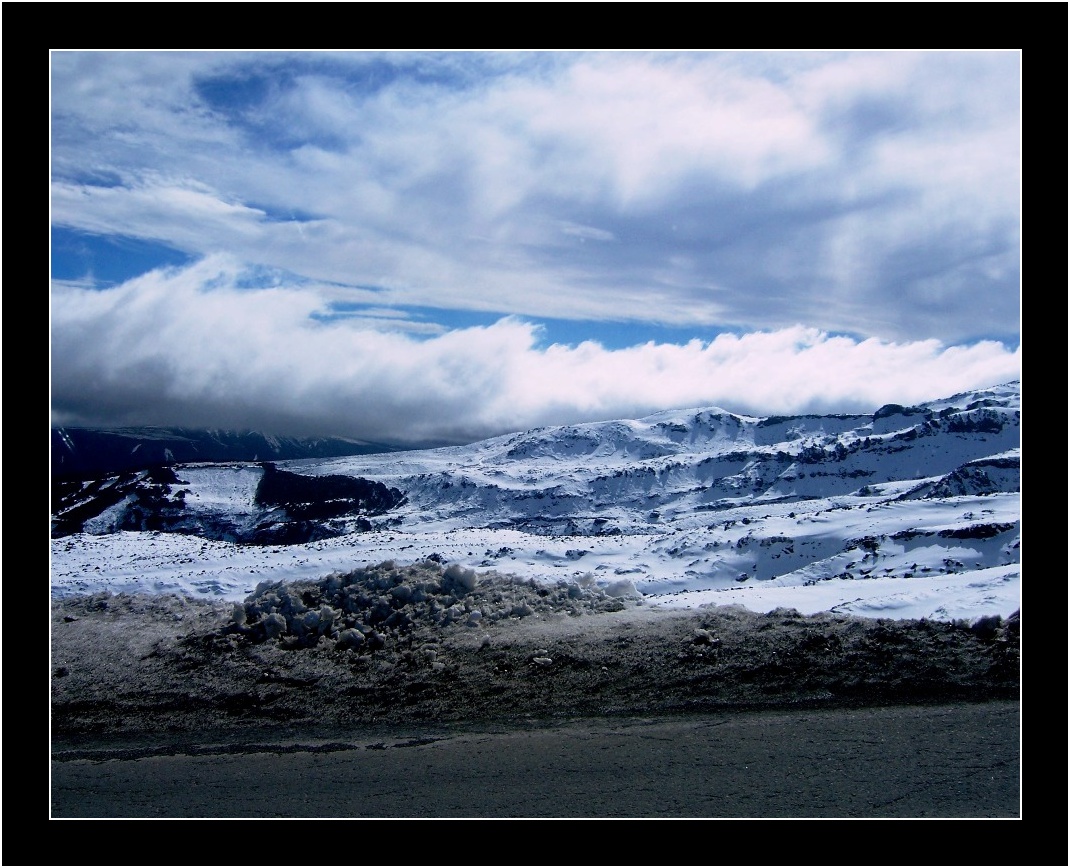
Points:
(124, 665)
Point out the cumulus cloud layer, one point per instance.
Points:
(875, 194)
(200, 346)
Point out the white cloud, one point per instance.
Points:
(184, 215)
(192, 347)
(586, 233)
(873, 192)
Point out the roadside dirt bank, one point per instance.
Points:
(123, 665)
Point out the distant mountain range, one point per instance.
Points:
(87, 453)
(594, 478)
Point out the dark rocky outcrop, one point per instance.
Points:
(322, 497)
(287, 508)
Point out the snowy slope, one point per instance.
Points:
(907, 512)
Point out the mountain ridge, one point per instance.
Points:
(86, 452)
(683, 501)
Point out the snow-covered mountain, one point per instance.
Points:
(908, 511)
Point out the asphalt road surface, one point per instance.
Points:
(939, 761)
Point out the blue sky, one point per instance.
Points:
(429, 247)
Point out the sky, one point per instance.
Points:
(426, 248)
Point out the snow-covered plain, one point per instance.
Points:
(911, 512)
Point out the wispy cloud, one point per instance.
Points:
(826, 188)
